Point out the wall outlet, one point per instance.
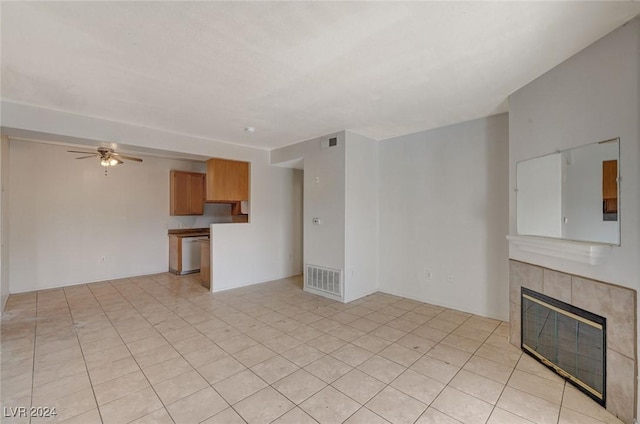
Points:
(103, 259)
(450, 278)
(427, 274)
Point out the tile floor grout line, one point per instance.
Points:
(132, 356)
(249, 369)
(75, 331)
(494, 406)
(194, 368)
(33, 370)
(171, 344)
(387, 385)
(296, 405)
(506, 384)
(458, 372)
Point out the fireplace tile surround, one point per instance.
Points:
(617, 304)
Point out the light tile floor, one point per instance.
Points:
(161, 349)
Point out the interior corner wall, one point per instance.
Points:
(4, 222)
(444, 212)
(361, 216)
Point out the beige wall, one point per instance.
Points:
(443, 210)
(4, 220)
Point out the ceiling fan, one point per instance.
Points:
(107, 156)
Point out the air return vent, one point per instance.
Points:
(328, 142)
(326, 280)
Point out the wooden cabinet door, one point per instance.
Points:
(186, 193)
(196, 194)
(610, 186)
(610, 179)
(179, 193)
(227, 180)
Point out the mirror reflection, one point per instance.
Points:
(572, 194)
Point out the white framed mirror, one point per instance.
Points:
(572, 194)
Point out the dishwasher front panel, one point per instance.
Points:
(191, 254)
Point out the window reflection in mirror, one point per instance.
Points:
(572, 194)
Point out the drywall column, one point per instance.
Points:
(4, 222)
(341, 197)
(323, 197)
(361, 216)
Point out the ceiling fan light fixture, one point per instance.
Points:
(106, 156)
(108, 161)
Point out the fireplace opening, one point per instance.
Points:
(568, 340)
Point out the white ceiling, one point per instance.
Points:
(292, 70)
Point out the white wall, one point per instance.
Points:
(443, 210)
(267, 183)
(324, 198)
(65, 214)
(361, 216)
(340, 188)
(4, 222)
(593, 96)
(241, 254)
(539, 196)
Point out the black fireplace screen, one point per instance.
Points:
(569, 340)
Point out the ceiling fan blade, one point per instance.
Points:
(89, 156)
(81, 151)
(126, 157)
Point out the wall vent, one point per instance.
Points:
(324, 279)
(328, 142)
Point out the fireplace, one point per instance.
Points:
(616, 304)
(567, 339)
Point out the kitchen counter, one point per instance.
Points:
(188, 232)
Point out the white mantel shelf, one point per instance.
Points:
(577, 251)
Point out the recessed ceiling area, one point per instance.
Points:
(291, 70)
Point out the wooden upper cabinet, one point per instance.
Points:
(610, 186)
(186, 193)
(227, 180)
(610, 179)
